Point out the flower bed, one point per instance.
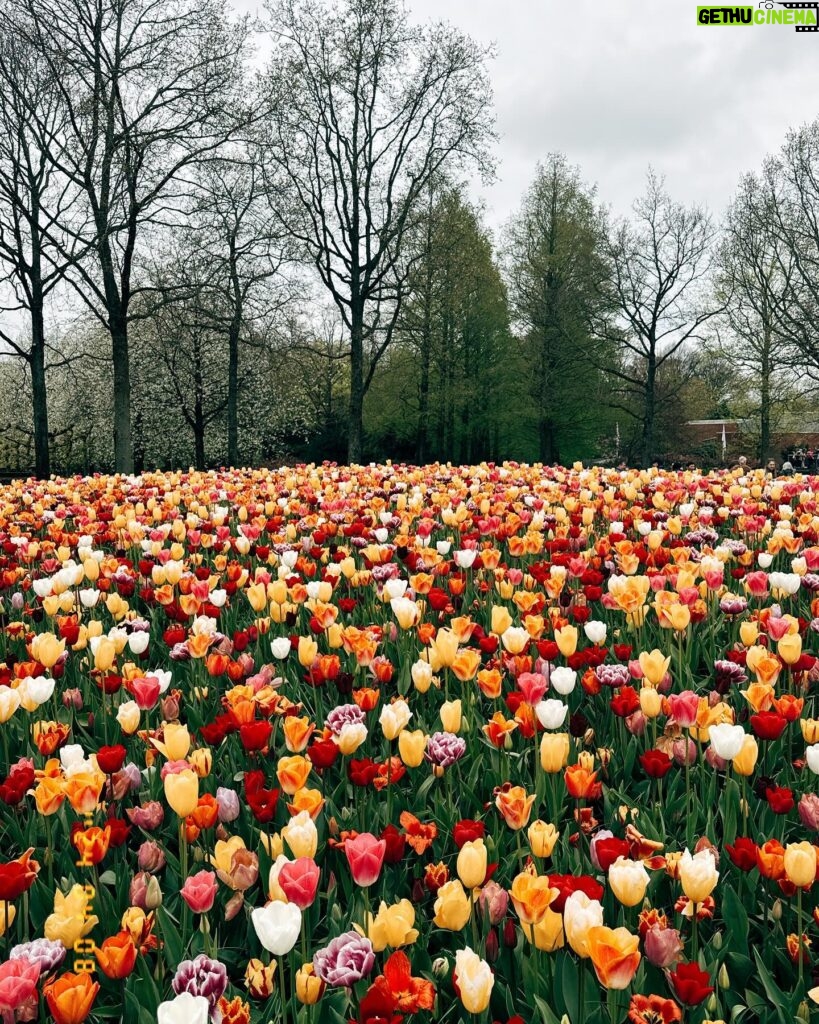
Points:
(489, 742)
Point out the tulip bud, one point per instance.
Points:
(440, 968)
(234, 905)
(510, 934)
(153, 894)
(72, 699)
(138, 889)
(724, 980)
(151, 856)
(492, 945)
(776, 910)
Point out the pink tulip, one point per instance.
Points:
(299, 881)
(533, 686)
(18, 983)
(365, 855)
(145, 692)
(199, 891)
(663, 946)
(684, 707)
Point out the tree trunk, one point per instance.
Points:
(123, 448)
(356, 426)
(649, 411)
(765, 397)
(233, 395)
(39, 395)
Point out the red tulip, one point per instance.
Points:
(690, 984)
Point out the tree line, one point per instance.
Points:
(212, 257)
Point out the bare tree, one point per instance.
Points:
(791, 182)
(368, 107)
(755, 270)
(150, 88)
(238, 234)
(33, 199)
(660, 265)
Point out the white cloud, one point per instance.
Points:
(621, 84)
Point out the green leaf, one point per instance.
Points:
(547, 1015)
(735, 914)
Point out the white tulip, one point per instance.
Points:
(280, 647)
(563, 680)
(138, 642)
(184, 1009)
(278, 926)
(395, 589)
(579, 915)
(465, 559)
(36, 690)
(71, 754)
(89, 597)
(812, 755)
(551, 713)
(163, 677)
(595, 631)
(42, 588)
(726, 740)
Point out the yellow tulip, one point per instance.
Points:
(471, 863)
(411, 747)
(566, 640)
(800, 864)
(452, 907)
(182, 791)
(542, 837)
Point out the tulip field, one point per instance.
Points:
(388, 743)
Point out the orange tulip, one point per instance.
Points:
(466, 664)
(515, 806)
(83, 791)
(310, 800)
(116, 956)
(92, 843)
(206, 812)
(532, 895)
(49, 794)
(614, 954)
(581, 783)
(70, 997)
(297, 733)
(292, 773)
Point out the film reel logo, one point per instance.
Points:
(769, 6)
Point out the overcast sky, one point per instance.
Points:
(621, 84)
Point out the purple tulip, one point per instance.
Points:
(444, 749)
(347, 959)
(201, 977)
(344, 714)
(149, 816)
(613, 675)
(228, 801)
(48, 953)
